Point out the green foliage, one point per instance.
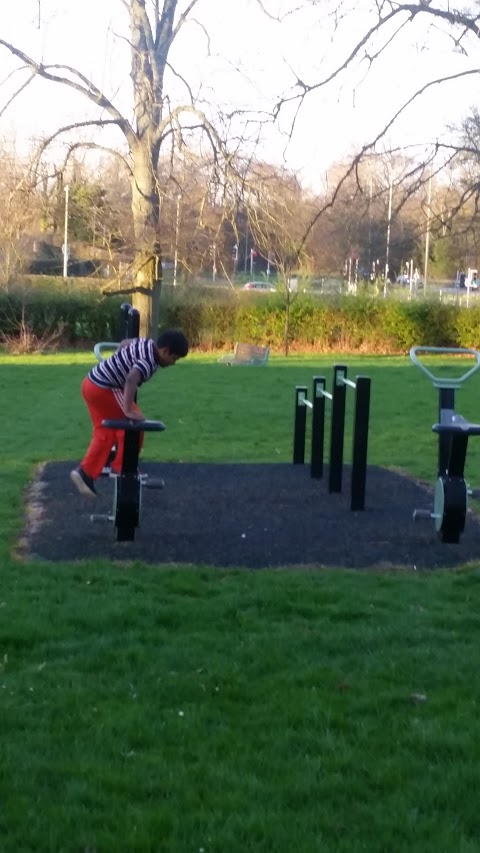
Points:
(172, 709)
(216, 318)
(81, 315)
(429, 323)
(87, 202)
(467, 326)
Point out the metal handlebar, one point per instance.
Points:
(440, 381)
(102, 346)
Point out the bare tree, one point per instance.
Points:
(20, 211)
(359, 44)
(156, 124)
(278, 211)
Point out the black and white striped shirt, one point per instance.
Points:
(113, 371)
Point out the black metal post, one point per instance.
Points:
(128, 489)
(123, 327)
(300, 425)
(133, 323)
(337, 429)
(360, 442)
(446, 408)
(318, 427)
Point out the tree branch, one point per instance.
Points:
(411, 10)
(183, 17)
(15, 94)
(66, 128)
(88, 88)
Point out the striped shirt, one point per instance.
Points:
(113, 371)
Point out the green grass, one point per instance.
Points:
(178, 710)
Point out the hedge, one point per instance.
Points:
(214, 320)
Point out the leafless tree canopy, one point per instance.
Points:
(183, 159)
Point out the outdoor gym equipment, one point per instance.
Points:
(450, 502)
(127, 496)
(361, 387)
(129, 327)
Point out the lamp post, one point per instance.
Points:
(389, 223)
(177, 229)
(427, 232)
(235, 259)
(65, 235)
(214, 261)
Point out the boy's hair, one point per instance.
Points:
(175, 341)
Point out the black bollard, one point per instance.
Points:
(360, 442)
(337, 428)
(300, 425)
(318, 426)
(133, 327)
(123, 327)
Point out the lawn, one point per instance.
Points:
(182, 710)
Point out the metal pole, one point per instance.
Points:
(177, 229)
(427, 234)
(65, 235)
(360, 442)
(389, 222)
(318, 427)
(124, 312)
(337, 429)
(300, 425)
(446, 408)
(133, 327)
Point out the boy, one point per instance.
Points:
(109, 392)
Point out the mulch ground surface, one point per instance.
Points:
(245, 515)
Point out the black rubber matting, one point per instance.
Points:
(246, 515)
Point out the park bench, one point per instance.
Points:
(246, 354)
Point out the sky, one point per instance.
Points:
(234, 55)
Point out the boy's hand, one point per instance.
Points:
(134, 415)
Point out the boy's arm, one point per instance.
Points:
(131, 385)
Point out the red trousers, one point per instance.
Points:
(103, 403)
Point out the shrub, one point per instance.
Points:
(215, 319)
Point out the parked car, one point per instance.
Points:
(472, 279)
(404, 280)
(259, 285)
(469, 279)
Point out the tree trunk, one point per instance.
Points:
(146, 224)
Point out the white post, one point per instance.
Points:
(177, 229)
(65, 236)
(427, 235)
(389, 221)
(214, 262)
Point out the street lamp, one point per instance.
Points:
(214, 261)
(427, 232)
(235, 259)
(389, 224)
(65, 235)
(177, 229)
